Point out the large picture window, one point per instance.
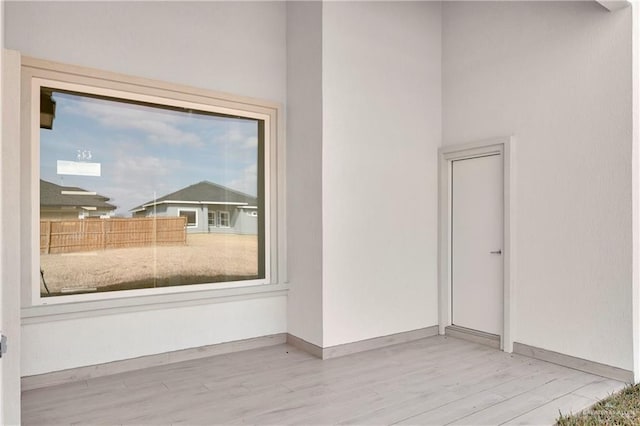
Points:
(139, 193)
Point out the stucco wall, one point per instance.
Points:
(381, 110)
(304, 155)
(557, 76)
(234, 47)
(373, 88)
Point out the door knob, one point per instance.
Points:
(496, 252)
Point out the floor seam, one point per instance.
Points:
(464, 397)
(548, 402)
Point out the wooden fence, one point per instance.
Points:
(67, 236)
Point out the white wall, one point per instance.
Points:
(9, 232)
(381, 110)
(232, 47)
(10, 237)
(101, 339)
(557, 75)
(364, 133)
(304, 166)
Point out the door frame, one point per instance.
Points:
(446, 155)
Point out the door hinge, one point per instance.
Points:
(3, 345)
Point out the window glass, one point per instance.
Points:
(190, 216)
(224, 219)
(129, 193)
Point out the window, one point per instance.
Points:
(124, 173)
(224, 219)
(212, 218)
(191, 216)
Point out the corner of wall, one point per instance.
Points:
(304, 180)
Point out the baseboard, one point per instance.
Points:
(569, 361)
(378, 342)
(487, 339)
(122, 366)
(362, 345)
(303, 345)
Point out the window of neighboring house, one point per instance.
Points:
(191, 216)
(224, 219)
(212, 218)
(135, 156)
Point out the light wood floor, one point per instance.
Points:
(439, 380)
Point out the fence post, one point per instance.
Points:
(48, 236)
(104, 234)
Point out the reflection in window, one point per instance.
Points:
(224, 219)
(135, 195)
(190, 215)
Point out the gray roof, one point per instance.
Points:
(51, 196)
(204, 191)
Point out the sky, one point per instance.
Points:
(147, 152)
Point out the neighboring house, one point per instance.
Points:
(208, 207)
(68, 202)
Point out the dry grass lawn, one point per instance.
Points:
(205, 258)
(622, 408)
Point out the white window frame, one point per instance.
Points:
(189, 209)
(211, 223)
(222, 213)
(38, 73)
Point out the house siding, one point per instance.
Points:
(240, 221)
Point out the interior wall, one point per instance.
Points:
(382, 127)
(233, 47)
(394, 81)
(557, 76)
(9, 233)
(101, 339)
(304, 161)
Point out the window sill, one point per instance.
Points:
(58, 312)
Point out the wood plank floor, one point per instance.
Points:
(439, 380)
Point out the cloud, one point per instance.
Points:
(238, 134)
(159, 126)
(233, 134)
(136, 180)
(251, 142)
(248, 182)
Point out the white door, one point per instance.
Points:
(476, 243)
